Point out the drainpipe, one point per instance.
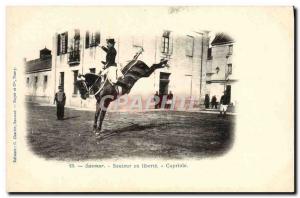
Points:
(201, 65)
(55, 60)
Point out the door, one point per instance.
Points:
(228, 93)
(62, 80)
(164, 83)
(163, 86)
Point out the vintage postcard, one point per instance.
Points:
(150, 99)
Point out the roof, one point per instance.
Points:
(38, 65)
(222, 38)
(45, 50)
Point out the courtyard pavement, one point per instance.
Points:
(155, 134)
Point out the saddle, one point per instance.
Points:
(133, 71)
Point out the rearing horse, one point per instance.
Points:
(132, 72)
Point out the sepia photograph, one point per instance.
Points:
(137, 90)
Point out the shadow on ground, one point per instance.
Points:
(160, 134)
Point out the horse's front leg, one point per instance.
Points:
(102, 113)
(96, 116)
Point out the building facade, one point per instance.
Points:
(75, 52)
(196, 66)
(39, 81)
(220, 75)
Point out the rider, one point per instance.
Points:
(110, 53)
(111, 71)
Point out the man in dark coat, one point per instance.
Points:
(110, 53)
(156, 100)
(214, 102)
(206, 101)
(169, 100)
(60, 99)
(224, 102)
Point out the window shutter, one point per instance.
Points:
(58, 45)
(66, 42)
(87, 39)
(170, 45)
(97, 38)
(162, 45)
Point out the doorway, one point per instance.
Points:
(62, 80)
(164, 83)
(228, 92)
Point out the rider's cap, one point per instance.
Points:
(112, 41)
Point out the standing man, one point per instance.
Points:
(214, 102)
(206, 101)
(224, 102)
(169, 100)
(156, 100)
(60, 99)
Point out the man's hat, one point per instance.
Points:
(112, 41)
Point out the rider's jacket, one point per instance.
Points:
(110, 56)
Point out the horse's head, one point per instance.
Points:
(83, 89)
(164, 63)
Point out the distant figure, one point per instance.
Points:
(169, 100)
(206, 101)
(60, 99)
(214, 102)
(157, 100)
(224, 104)
(160, 100)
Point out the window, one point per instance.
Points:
(230, 49)
(35, 81)
(27, 81)
(209, 57)
(229, 68)
(93, 70)
(74, 53)
(45, 81)
(97, 38)
(92, 40)
(76, 40)
(87, 39)
(166, 42)
(62, 43)
(189, 50)
(75, 89)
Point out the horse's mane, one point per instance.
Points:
(90, 78)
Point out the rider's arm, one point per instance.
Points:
(104, 48)
(104, 72)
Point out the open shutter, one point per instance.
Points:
(162, 45)
(66, 42)
(87, 39)
(97, 38)
(170, 45)
(58, 45)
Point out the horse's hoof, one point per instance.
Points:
(97, 132)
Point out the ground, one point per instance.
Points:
(159, 134)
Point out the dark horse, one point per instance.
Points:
(105, 92)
